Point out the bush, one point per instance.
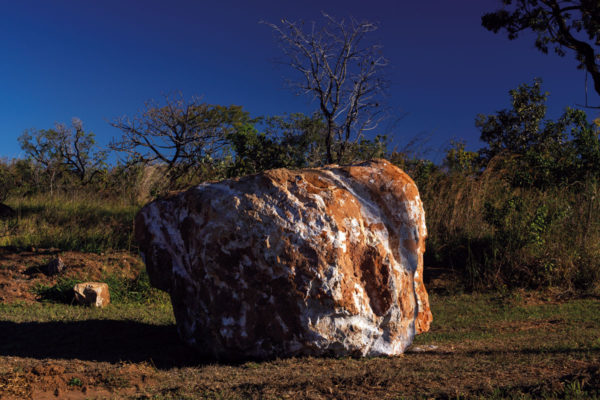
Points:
(496, 235)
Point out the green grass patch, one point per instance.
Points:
(137, 290)
(61, 292)
(490, 318)
(156, 313)
(122, 290)
(75, 382)
(488, 346)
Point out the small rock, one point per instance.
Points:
(53, 267)
(92, 294)
(422, 349)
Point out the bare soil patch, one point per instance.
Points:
(21, 271)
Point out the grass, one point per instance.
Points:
(493, 235)
(491, 317)
(505, 344)
(122, 289)
(75, 221)
(75, 382)
(157, 313)
(516, 345)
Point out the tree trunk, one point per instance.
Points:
(329, 141)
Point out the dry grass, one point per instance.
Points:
(76, 221)
(493, 235)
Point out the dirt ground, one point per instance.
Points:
(479, 346)
(21, 271)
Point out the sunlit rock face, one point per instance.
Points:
(316, 261)
(92, 294)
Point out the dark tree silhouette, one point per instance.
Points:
(180, 135)
(561, 25)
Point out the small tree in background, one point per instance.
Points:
(461, 161)
(64, 150)
(535, 151)
(79, 153)
(520, 128)
(338, 69)
(302, 136)
(42, 147)
(184, 136)
(254, 151)
(290, 141)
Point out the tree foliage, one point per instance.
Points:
(558, 24)
(461, 161)
(181, 135)
(292, 141)
(255, 152)
(520, 128)
(65, 149)
(338, 68)
(534, 150)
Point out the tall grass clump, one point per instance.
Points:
(523, 210)
(494, 234)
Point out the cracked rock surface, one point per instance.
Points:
(315, 261)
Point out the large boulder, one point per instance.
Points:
(316, 261)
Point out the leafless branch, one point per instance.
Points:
(338, 70)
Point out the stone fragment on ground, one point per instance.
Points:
(422, 349)
(92, 294)
(54, 267)
(316, 262)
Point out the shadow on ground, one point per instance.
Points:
(98, 340)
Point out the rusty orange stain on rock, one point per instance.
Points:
(316, 261)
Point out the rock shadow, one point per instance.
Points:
(98, 340)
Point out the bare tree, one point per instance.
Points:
(339, 71)
(180, 134)
(64, 149)
(77, 151)
(42, 147)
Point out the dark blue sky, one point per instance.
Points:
(101, 60)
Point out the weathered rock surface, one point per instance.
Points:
(317, 261)
(92, 294)
(54, 267)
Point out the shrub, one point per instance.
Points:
(494, 234)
